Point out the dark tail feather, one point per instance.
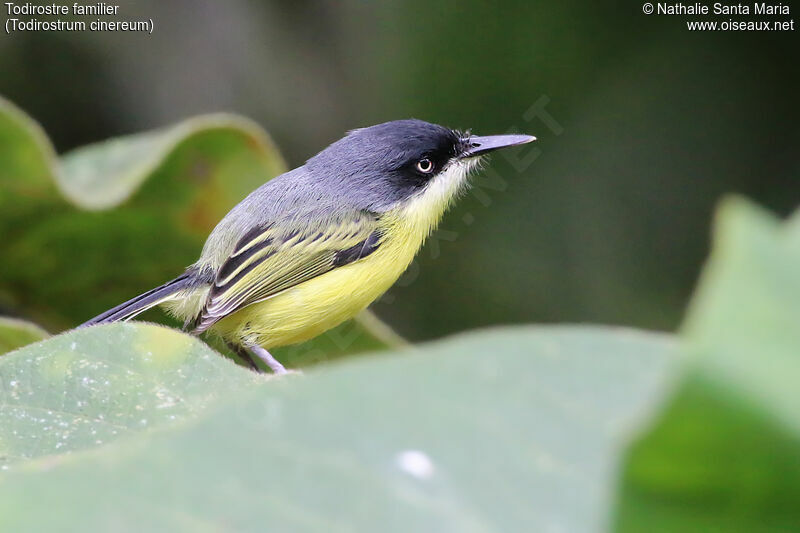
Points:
(143, 302)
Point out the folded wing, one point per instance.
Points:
(269, 260)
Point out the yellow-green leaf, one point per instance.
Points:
(724, 455)
(15, 333)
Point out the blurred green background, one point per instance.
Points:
(606, 219)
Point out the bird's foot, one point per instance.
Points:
(268, 358)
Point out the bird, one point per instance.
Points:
(316, 245)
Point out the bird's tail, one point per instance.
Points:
(143, 302)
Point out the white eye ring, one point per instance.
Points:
(425, 166)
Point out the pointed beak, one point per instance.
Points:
(482, 145)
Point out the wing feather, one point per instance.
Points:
(266, 262)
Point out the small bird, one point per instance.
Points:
(312, 247)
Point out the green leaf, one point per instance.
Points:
(29, 160)
(94, 385)
(106, 222)
(15, 332)
(512, 429)
(725, 453)
(208, 150)
(168, 188)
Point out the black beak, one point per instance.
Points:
(482, 145)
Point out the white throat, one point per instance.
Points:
(425, 209)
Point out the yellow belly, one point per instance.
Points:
(313, 307)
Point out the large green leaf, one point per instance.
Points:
(103, 223)
(90, 386)
(507, 430)
(725, 454)
(15, 333)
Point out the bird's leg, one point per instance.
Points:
(264, 355)
(244, 355)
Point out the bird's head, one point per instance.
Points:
(405, 162)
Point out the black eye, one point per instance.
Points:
(425, 166)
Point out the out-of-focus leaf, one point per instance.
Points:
(725, 454)
(29, 161)
(223, 154)
(168, 188)
(507, 430)
(105, 222)
(94, 385)
(15, 333)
